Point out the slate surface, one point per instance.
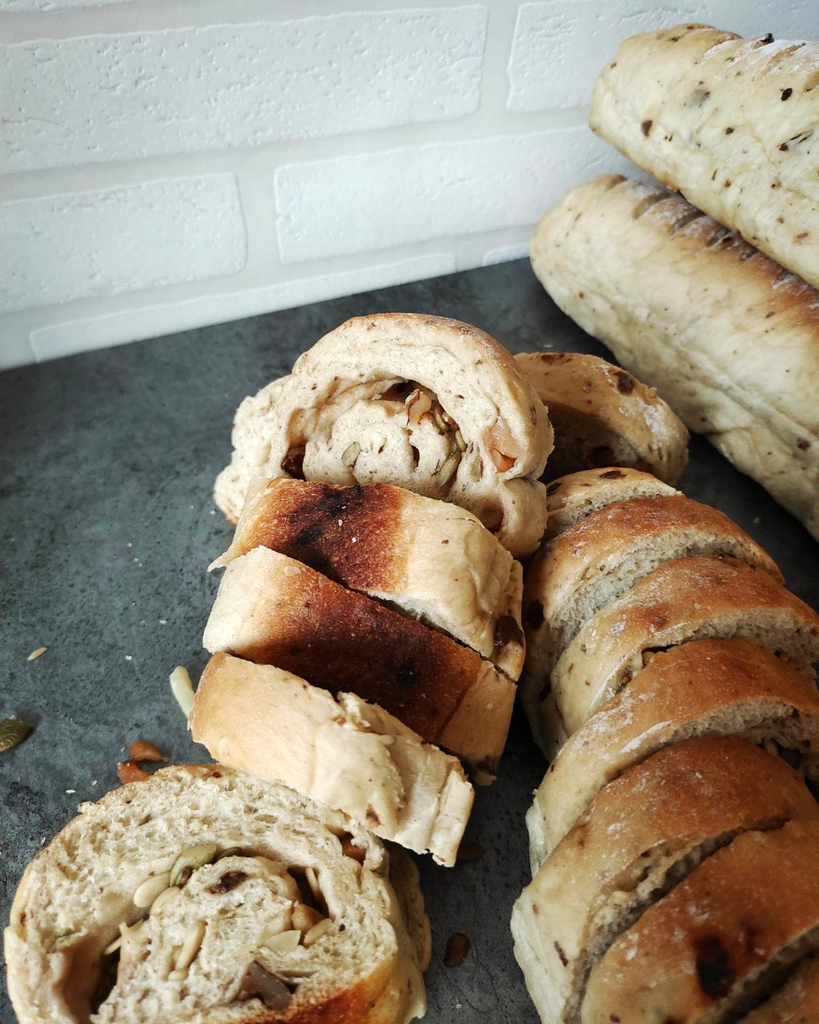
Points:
(106, 528)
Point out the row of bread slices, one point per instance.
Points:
(357, 624)
(728, 335)
(675, 855)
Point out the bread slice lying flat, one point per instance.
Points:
(687, 599)
(716, 944)
(342, 752)
(701, 688)
(640, 836)
(729, 123)
(576, 495)
(429, 559)
(603, 416)
(795, 1002)
(424, 402)
(728, 337)
(273, 610)
(233, 878)
(594, 562)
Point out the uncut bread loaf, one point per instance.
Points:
(728, 122)
(713, 947)
(729, 339)
(576, 495)
(686, 599)
(430, 559)
(341, 752)
(423, 402)
(641, 835)
(701, 688)
(273, 610)
(603, 416)
(204, 896)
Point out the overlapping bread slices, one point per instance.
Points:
(700, 688)
(423, 402)
(603, 416)
(639, 837)
(204, 896)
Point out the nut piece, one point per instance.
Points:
(150, 889)
(190, 946)
(284, 942)
(318, 931)
(182, 688)
(164, 897)
(350, 454)
(144, 750)
(312, 881)
(305, 917)
(457, 946)
(189, 860)
(38, 653)
(448, 469)
(259, 983)
(129, 771)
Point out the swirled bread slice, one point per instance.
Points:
(429, 559)
(687, 599)
(342, 752)
(795, 1002)
(701, 688)
(639, 837)
(204, 896)
(424, 402)
(729, 339)
(729, 122)
(274, 610)
(603, 416)
(712, 948)
(592, 563)
(576, 495)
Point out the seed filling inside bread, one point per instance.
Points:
(202, 896)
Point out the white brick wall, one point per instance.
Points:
(167, 164)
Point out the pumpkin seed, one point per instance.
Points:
(260, 983)
(150, 889)
(350, 454)
(190, 859)
(284, 942)
(12, 732)
(190, 946)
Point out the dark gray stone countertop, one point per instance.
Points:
(107, 525)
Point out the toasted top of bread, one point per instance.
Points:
(342, 752)
(424, 402)
(241, 865)
(604, 416)
(429, 559)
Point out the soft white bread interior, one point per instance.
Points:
(700, 688)
(216, 886)
(687, 599)
(604, 416)
(424, 402)
(639, 837)
(593, 562)
(576, 495)
(342, 752)
(729, 339)
(730, 123)
(427, 558)
(711, 948)
(273, 610)
(795, 1001)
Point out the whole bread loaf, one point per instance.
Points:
(204, 896)
(729, 122)
(729, 339)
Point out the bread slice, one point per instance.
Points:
(275, 611)
(728, 122)
(687, 599)
(594, 562)
(603, 416)
(795, 1002)
(716, 944)
(640, 836)
(727, 337)
(424, 402)
(426, 558)
(575, 496)
(261, 862)
(701, 688)
(342, 752)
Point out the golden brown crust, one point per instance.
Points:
(603, 416)
(275, 611)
